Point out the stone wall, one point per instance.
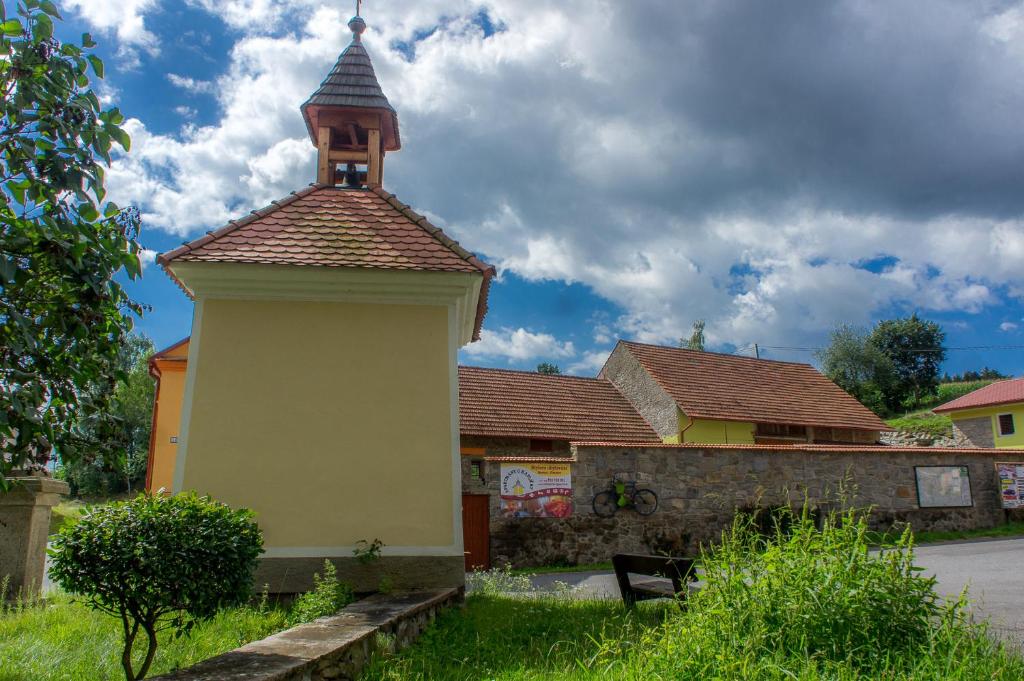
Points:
(976, 431)
(333, 648)
(699, 490)
(295, 575)
(902, 438)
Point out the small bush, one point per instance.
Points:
(327, 597)
(158, 562)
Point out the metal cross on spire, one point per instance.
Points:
(359, 5)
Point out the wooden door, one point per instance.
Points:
(476, 531)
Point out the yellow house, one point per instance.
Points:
(321, 380)
(168, 368)
(691, 396)
(992, 416)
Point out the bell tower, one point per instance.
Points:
(350, 120)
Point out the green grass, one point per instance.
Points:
(812, 605)
(509, 638)
(66, 513)
(557, 569)
(66, 641)
(925, 422)
(1012, 529)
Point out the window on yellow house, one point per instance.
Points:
(1006, 424)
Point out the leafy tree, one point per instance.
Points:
(123, 430)
(63, 317)
(986, 374)
(548, 369)
(696, 339)
(859, 367)
(158, 562)
(915, 347)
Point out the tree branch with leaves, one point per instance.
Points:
(63, 315)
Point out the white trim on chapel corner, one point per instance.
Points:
(241, 281)
(456, 455)
(178, 483)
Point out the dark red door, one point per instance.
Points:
(476, 531)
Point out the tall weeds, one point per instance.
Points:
(814, 603)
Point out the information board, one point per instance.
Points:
(1011, 484)
(943, 486)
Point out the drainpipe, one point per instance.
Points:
(682, 433)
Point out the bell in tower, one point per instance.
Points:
(350, 121)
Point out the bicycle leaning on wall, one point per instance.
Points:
(623, 494)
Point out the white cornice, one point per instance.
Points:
(336, 284)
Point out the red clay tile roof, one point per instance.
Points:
(335, 227)
(499, 402)
(811, 448)
(170, 348)
(1000, 392)
(709, 385)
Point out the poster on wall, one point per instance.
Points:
(943, 486)
(536, 490)
(1011, 484)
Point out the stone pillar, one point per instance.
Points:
(24, 529)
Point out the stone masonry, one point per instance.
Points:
(335, 648)
(24, 527)
(976, 431)
(699, 490)
(901, 438)
(642, 391)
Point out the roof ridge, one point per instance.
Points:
(719, 354)
(432, 229)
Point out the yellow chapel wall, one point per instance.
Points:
(332, 421)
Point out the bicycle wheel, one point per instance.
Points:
(645, 501)
(606, 504)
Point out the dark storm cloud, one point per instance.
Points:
(732, 161)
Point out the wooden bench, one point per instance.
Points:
(679, 570)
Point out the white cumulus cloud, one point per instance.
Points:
(520, 345)
(635, 150)
(123, 18)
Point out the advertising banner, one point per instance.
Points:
(536, 490)
(1011, 484)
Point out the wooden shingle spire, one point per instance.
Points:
(350, 119)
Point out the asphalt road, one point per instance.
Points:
(993, 573)
(991, 570)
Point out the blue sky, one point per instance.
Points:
(629, 169)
